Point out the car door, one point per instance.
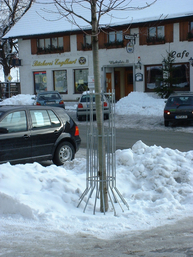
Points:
(46, 128)
(15, 139)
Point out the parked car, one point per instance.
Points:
(51, 98)
(31, 133)
(86, 101)
(178, 108)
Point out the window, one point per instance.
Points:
(15, 122)
(156, 35)
(153, 74)
(40, 81)
(54, 119)
(111, 37)
(81, 80)
(190, 31)
(87, 42)
(115, 39)
(40, 119)
(60, 81)
(179, 77)
(50, 45)
(115, 36)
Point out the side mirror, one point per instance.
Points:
(3, 130)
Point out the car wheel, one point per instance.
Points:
(166, 123)
(64, 152)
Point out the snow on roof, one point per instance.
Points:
(44, 18)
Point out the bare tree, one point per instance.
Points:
(10, 12)
(73, 10)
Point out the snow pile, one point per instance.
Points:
(20, 99)
(157, 184)
(139, 103)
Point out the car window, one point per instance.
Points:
(180, 100)
(15, 122)
(86, 98)
(54, 119)
(49, 96)
(40, 119)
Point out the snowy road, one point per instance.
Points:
(30, 241)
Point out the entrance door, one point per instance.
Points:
(108, 83)
(117, 85)
(128, 80)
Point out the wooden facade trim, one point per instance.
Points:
(184, 30)
(169, 32)
(33, 46)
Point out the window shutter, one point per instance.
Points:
(66, 41)
(143, 36)
(169, 33)
(183, 30)
(33, 46)
(102, 40)
(80, 41)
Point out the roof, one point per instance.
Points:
(44, 18)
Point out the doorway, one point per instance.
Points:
(128, 80)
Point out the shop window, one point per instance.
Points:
(156, 35)
(179, 77)
(50, 45)
(80, 80)
(115, 39)
(153, 76)
(60, 81)
(40, 81)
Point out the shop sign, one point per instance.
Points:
(180, 54)
(119, 62)
(138, 77)
(60, 62)
(130, 48)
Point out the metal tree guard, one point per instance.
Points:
(93, 180)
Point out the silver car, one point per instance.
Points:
(87, 100)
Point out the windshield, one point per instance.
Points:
(86, 98)
(180, 100)
(48, 96)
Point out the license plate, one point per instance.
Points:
(181, 117)
(50, 102)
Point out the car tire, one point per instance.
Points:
(64, 152)
(166, 123)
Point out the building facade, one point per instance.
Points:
(131, 58)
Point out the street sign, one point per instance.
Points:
(9, 78)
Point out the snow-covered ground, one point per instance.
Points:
(157, 184)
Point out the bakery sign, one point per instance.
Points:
(61, 62)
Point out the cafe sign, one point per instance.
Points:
(61, 62)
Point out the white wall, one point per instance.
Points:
(109, 58)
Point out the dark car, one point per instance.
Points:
(86, 101)
(178, 108)
(37, 133)
(51, 98)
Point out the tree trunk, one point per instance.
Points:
(99, 113)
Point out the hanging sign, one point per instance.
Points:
(130, 47)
